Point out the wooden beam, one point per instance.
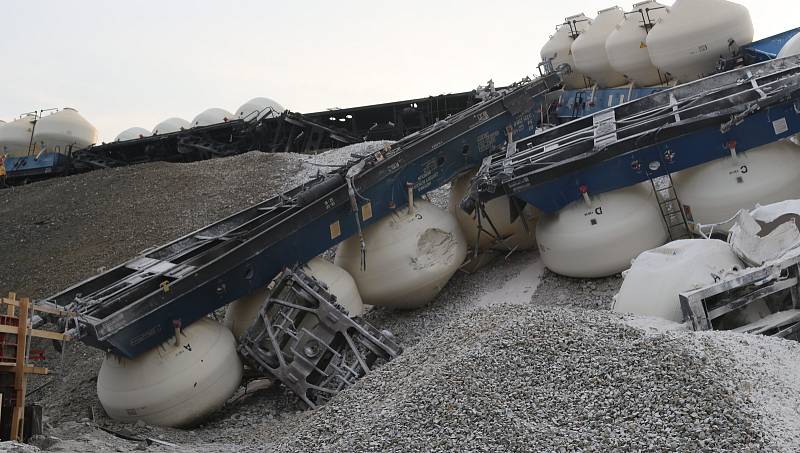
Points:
(40, 308)
(38, 333)
(20, 378)
(7, 367)
(12, 297)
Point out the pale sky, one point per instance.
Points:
(135, 63)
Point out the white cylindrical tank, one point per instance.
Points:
(601, 240)
(627, 49)
(259, 108)
(15, 137)
(170, 125)
(558, 49)
(714, 192)
(340, 283)
(589, 49)
(173, 384)
(64, 130)
(515, 235)
(410, 256)
(241, 313)
(132, 133)
(689, 40)
(212, 116)
(655, 279)
(791, 48)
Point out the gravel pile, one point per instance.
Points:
(769, 375)
(502, 378)
(59, 232)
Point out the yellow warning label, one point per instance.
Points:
(336, 230)
(366, 211)
(642, 45)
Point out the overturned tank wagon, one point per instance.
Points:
(589, 158)
(242, 253)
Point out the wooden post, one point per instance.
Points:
(10, 309)
(20, 379)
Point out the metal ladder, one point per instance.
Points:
(671, 208)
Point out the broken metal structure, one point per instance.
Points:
(306, 340)
(285, 132)
(20, 420)
(776, 284)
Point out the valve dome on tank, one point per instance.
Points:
(693, 35)
(589, 49)
(170, 125)
(259, 108)
(626, 46)
(410, 256)
(64, 130)
(212, 116)
(558, 50)
(132, 133)
(15, 136)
